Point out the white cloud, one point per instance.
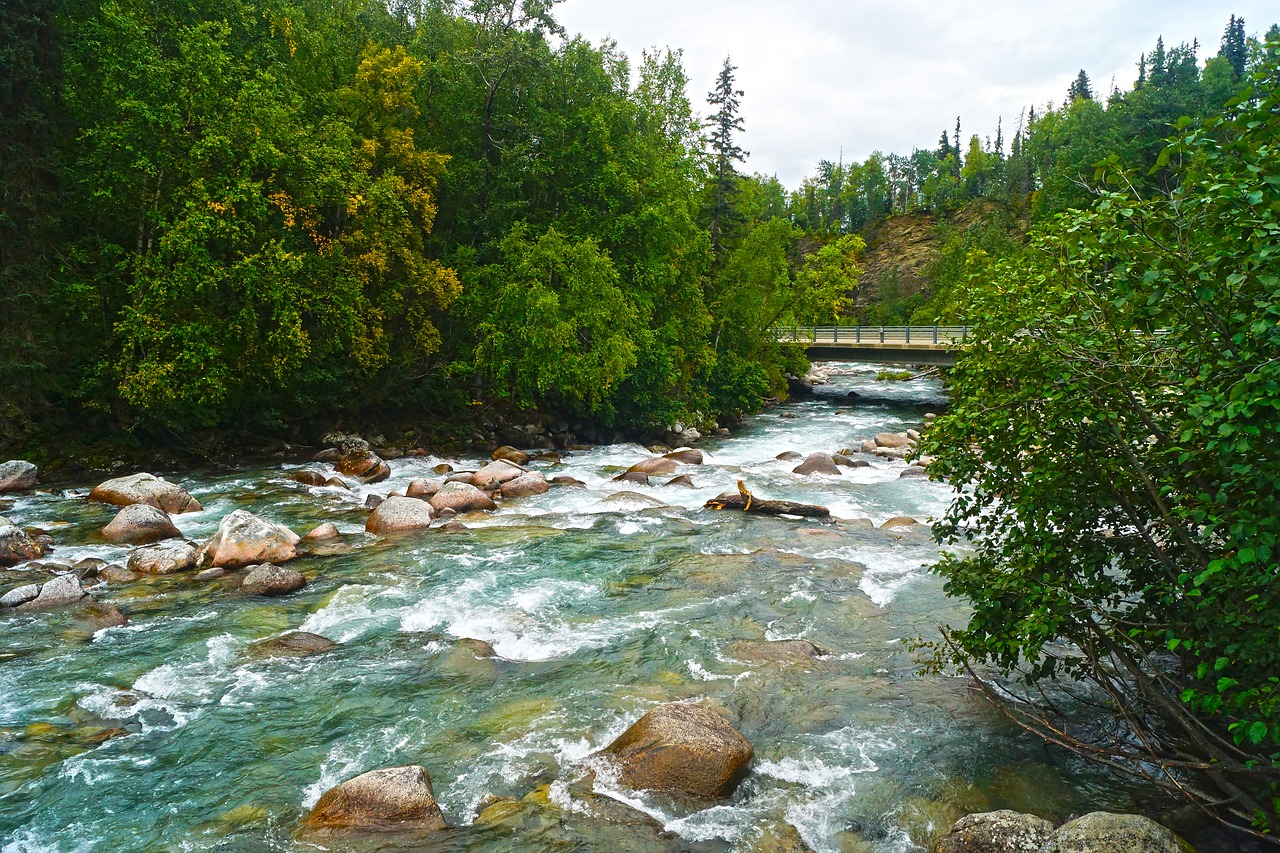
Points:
(824, 76)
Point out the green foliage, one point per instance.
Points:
(1112, 434)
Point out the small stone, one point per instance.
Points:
(460, 498)
(656, 465)
(817, 463)
(17, 546)
(373, 501)
(789, 456)
(636, 477)
(337, 483)
(117, 574)
(893, 440)
(272, 580)
(495, 474)
(687, 456)
(211, 575)
(324, 533)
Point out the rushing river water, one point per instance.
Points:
(168, 734)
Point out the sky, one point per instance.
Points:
(831, 78)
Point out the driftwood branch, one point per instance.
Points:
(744, 501)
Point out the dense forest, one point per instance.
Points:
(274, 216)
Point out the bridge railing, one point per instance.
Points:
(873, 335)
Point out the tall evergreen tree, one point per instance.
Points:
(1235, 48)
(1080, 89)
(725, 123)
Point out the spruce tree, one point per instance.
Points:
(725, 122)
(1235, 49)
(1081, 88)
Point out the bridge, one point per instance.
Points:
(936, 345)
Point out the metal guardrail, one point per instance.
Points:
(898, 336)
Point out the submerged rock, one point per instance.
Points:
(146, 489)
(395, 799)
(479, 648)
(900, 521)
(789, 456)
(684, 481)
(996, 832)
(295, 644)
(399, 514)
(119, 574)
(140, 524)
(682, 749)
(243, 539)
(163, 559)
(461, 497)
(775, 650)
(780, 838)
(1103, 832)
(272, 580)
(18, 475)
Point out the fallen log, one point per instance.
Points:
(744, 501)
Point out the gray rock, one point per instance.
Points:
(913, 472)
(272, 580)
(399, 514)
(845, 462)
(495, 474)
(996, 832)
(817, 463)
(1103, 832)
(20, 595)
(60, 592)
(119, 574)
(788, 456)
(18, 475)
(163, 559)
(140, 524)
(211, 575)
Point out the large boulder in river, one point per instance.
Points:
(17, 476)
(146, 489)
(163, 559)
(397, 514)
(62, 591)
(893, 440)
(654, 465)
(507, 453)
(526, 486)
(817, 463)
(682, 749)
(461, 497)
(1103, 832)
(424, 489)
(364, 465)
(140, 524)
(687, 456)
(243, 539)
(495, 474)
(397, 799)
(996, 832)
(17, 546)
(272, 580)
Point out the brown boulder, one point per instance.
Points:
(393, 799)
(308, 478)
(527, 486)
(272, 580)
(788, 456)
(140, 524)
(845, 462)
(687, 456)
(397, 514)
(364, 465)
(461, 497)
(682, 749)
(507, 453)
(146, 489)
(243, 539)
(17, 546)
(655, 465)
(683, 481)
(423, 489)
(632, 477)
(893, 440)
(570, 482)
(899, 521)
(18, 475)
(817, 463)
(163, 559)
(326, 532)
(495, 474)
(119, 574)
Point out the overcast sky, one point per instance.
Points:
(822, 76)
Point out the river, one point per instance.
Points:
(168, 734)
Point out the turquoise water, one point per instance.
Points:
(168, 734)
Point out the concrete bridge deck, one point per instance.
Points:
(934, 345)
